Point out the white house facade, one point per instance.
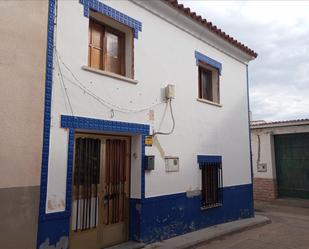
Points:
(146, 130)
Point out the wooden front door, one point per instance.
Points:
(100, 208)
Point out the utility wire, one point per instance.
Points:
(65, 89)
(104, 102)
(173, 119)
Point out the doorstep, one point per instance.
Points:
(190, 240)
(127, 245)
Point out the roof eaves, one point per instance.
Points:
(210, 26)
(295, 122)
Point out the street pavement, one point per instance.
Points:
(289, 228)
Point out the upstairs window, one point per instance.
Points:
(209, 71)
(211, 170)
(106, 48)
(208, 85)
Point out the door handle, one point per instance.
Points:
(105, 199)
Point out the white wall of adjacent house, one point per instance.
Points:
(263, 149)
(163, 54)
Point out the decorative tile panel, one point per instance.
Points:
(112, 13)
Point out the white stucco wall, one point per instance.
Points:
(163, 54)
(267, 153)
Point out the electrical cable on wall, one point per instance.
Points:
(112, 107)
(173, 120)
(109, 105)
(64, 87)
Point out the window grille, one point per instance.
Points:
(212, 195)
(86, 181)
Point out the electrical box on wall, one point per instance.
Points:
(171, 164)
(149, 162)
(262, 167)
(170, 91)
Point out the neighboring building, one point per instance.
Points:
(23, 29)
(280, 159)
(119, 74)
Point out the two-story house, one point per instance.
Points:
(146, 129)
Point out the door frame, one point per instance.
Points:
(76, 124)
(102, 136)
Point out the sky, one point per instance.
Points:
(279, 32)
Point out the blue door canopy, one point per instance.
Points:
(204, 160)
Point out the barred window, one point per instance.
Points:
(211, 169)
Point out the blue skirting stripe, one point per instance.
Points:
(203, 58)
(167, 216)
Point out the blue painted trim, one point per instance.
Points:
(74, 122)
(52, 226)
(60, 221)
(47, 230)
(203, 159)
(47, 107)
(143, 165)
(112, 13)
(203, 58)
(164, 197)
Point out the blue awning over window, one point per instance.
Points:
(203, 58)
(204, 159)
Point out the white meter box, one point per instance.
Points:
(170, 91)
(171, 164)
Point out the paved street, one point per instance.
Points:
(289, 229)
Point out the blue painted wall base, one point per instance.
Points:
(52, 230)
(167, 216)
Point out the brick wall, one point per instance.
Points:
(264, 189)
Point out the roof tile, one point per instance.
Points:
(187, 12)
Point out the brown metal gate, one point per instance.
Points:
(86, 181)
(115, 178)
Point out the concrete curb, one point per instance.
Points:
(203, 236)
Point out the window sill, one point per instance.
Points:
(212, 206)
(109, 74)
(208, 102)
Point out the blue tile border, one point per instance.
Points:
(204, 58)
(47, 107)
(45, 230)
(101, 125)
(60, 221)
(53, 226)
(104, 9)
(208, 159)
(75, 122)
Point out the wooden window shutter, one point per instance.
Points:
(96, 37)
(114, 52)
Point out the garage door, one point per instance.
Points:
(292, 163)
